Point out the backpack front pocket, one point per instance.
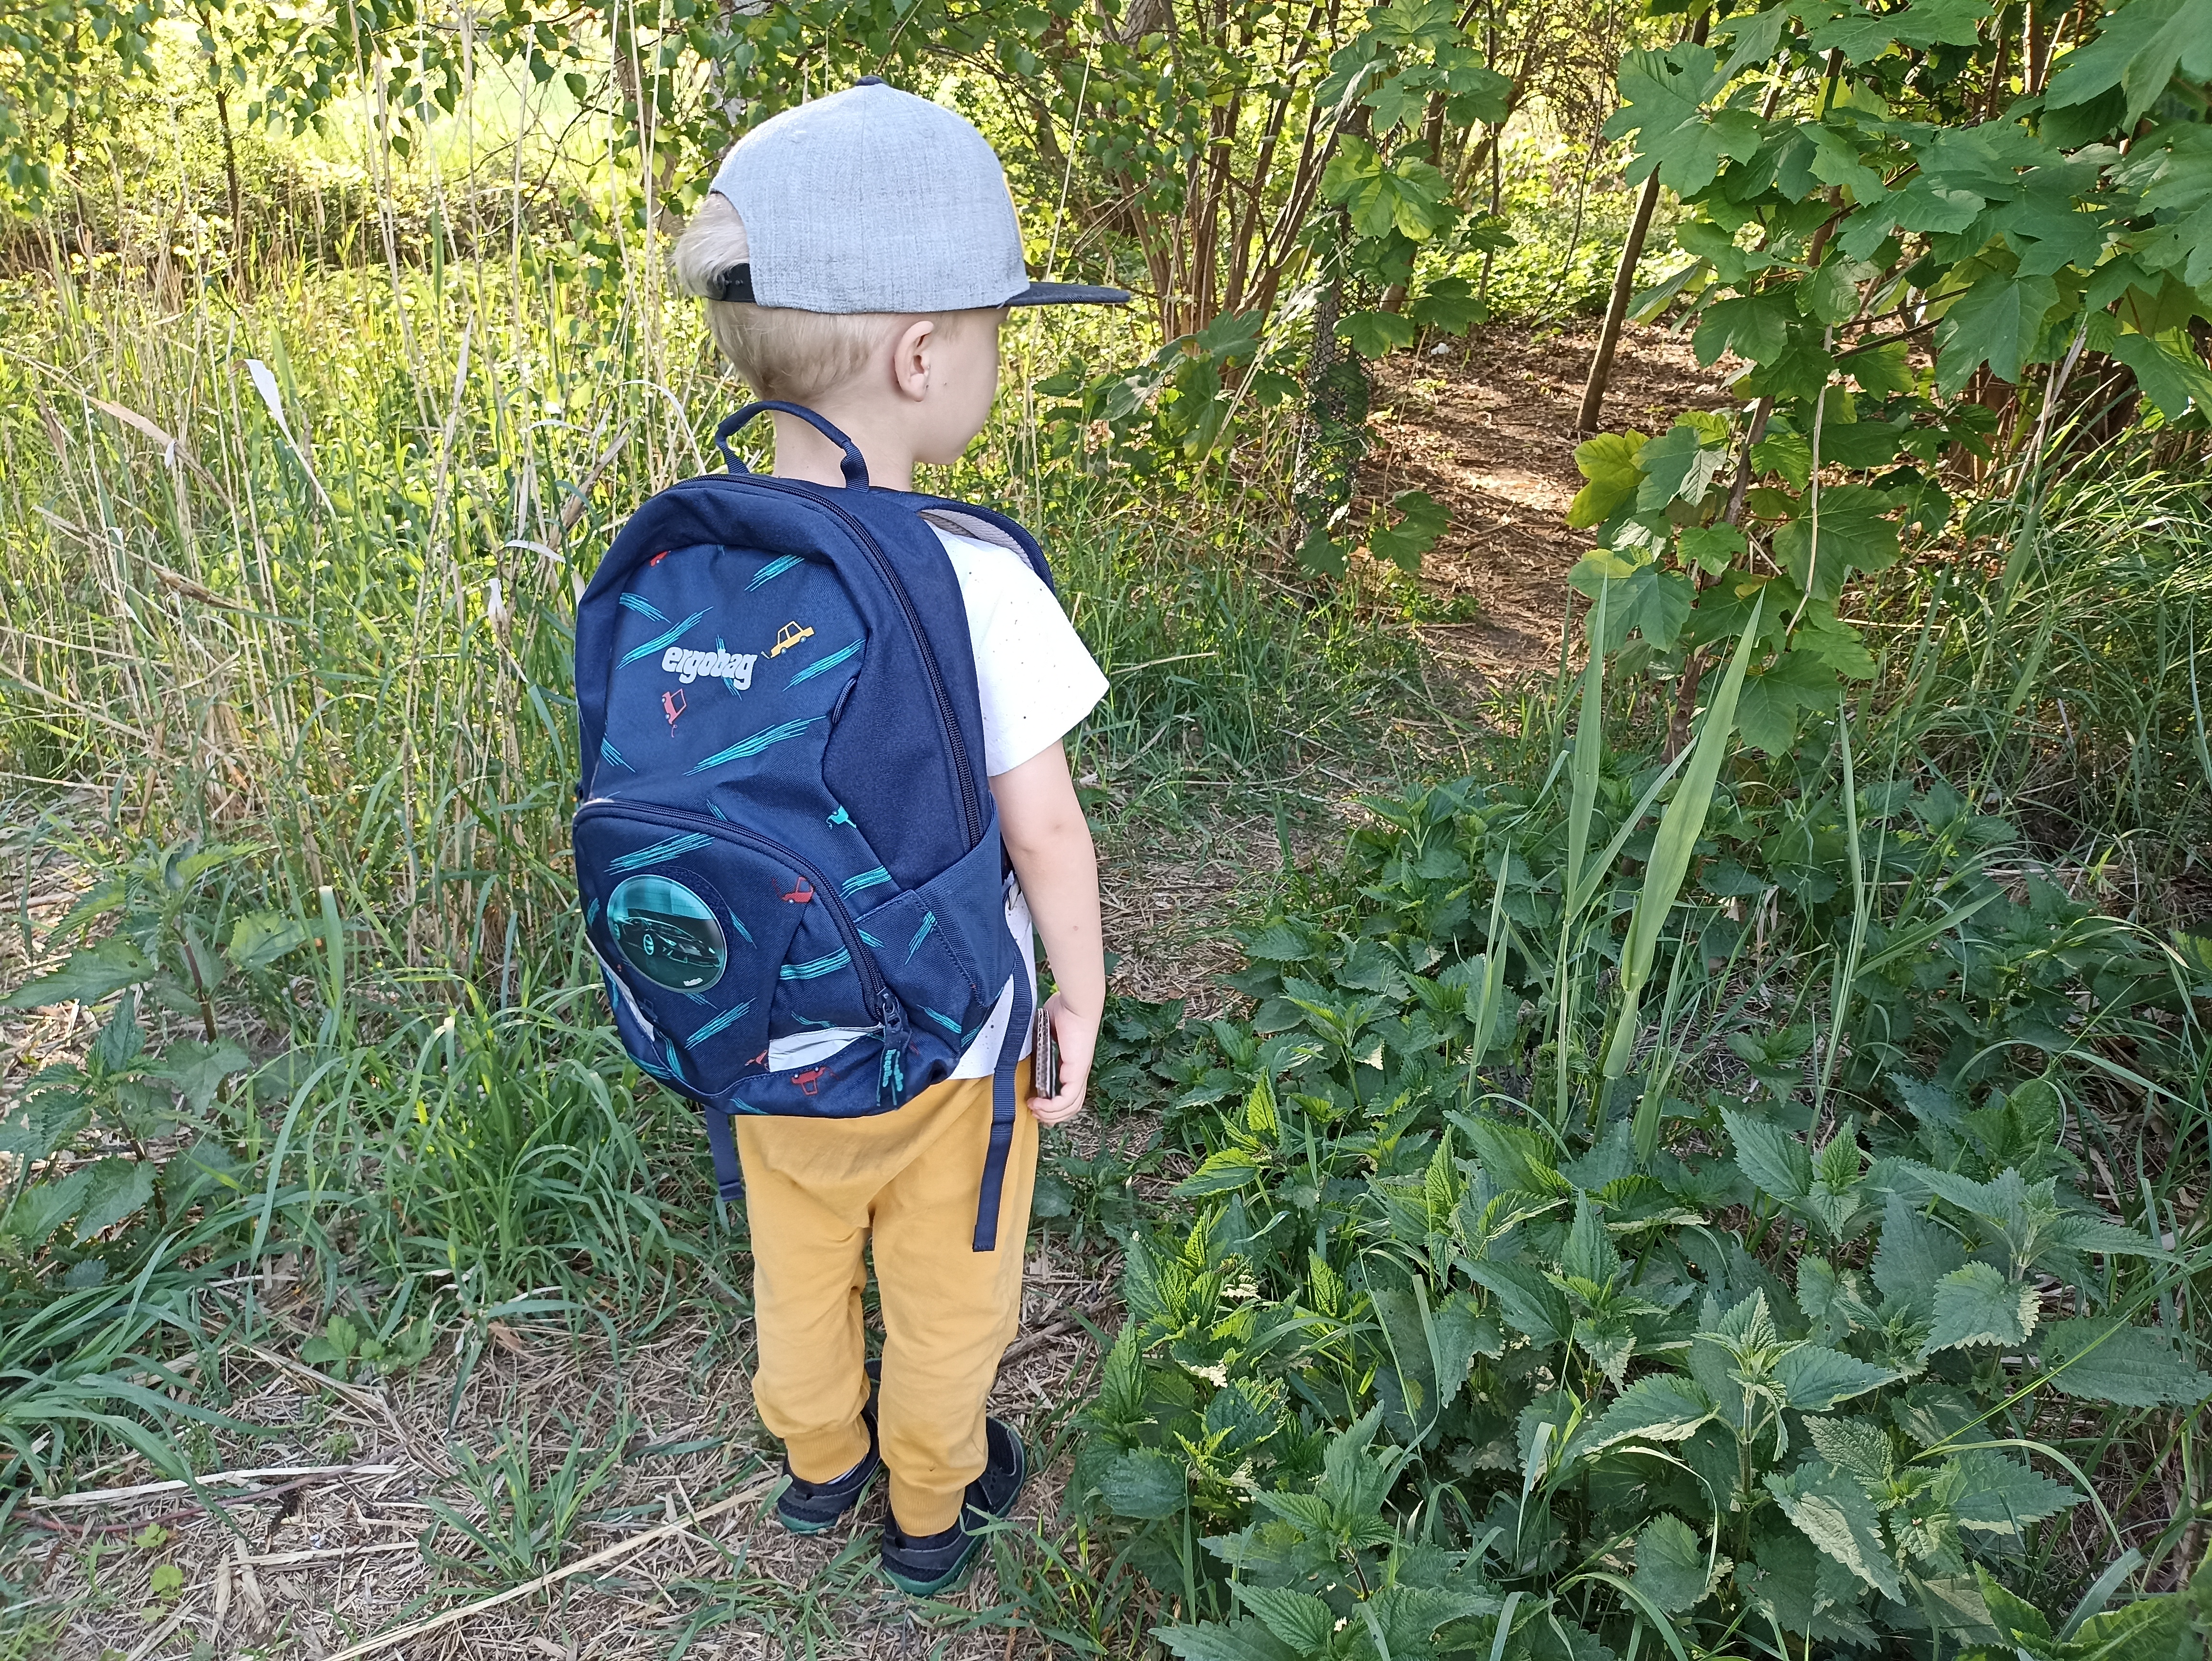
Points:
(716, 936)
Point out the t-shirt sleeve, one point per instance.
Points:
(1035, 677)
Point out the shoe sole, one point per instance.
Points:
(801, 1526)
(959, 1572)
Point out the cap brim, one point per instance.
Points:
(1069, 293)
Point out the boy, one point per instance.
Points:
(857, 255)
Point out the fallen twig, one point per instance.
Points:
(1070, 1316)
(279, 1558)
(606, 1554)
(218, 1479)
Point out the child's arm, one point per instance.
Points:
(1049, 842)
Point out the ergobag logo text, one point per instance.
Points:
(788, 854)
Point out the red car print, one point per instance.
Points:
(674, 703)
(802, 894)
(760, 1060)
(812, 1079)
(662, 555)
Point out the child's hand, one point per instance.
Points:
(1077, 1036)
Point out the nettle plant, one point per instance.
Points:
(1786, 1364)
(1913, 225)
(153, 1114)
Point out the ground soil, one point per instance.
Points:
(1487, 428)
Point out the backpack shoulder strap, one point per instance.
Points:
(985, 525)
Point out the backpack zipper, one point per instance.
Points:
(888, 1008)
(970, 793)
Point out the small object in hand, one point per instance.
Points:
(1044, 1057)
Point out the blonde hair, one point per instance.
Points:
(781, 352)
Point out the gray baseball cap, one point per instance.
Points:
(875, 200)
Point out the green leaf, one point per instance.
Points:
(117, 1189)
(1662, 94)
(44, 1206)
(1815, 1377)
(1995, 322)
(42, 1119)
(1144, 1482)
(1237, 1640)
(86, 977)
(197, 1069)
(2137, 48)
(1975, 1305)
(1677, 464)
(2178, 190)
(1589, 1252)
(1664, 1407)
(1755, 327)
(2000, 1495)
(1915, 1253)
(1833, 1512)
(1859, 1445)
(2016, 1617)
(260, 938)
(1835, 161)
(1832, 295)
(1513, 1157)
(1298, 1618)
(1671, 1564)
(1711, 548)
(2107, 1361)
(1767, 714)
(1608, 462)
(1279, 942)
(1231, 1168)
(1774, 1161)
(2172, 377)
(2148, 1629)
(1884, 370)
(1421, 521)
(1449, 305)
(1528, 1302)
(1848, 532)
(122, 1041)
(1376, 333)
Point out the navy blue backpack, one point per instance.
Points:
(787, 853)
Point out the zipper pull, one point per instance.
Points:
(891, 1082)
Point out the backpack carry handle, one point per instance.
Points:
(856, 469)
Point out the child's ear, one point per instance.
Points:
(910, 356)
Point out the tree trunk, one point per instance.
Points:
(1624, 283)
(1616, 310)
(230, 167)
(1333, 436)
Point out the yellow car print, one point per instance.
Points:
(788, 637)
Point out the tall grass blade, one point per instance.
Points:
(1679, 827)
(1590, 745)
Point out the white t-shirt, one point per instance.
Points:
(1035, 680)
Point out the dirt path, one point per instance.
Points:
(1488, 430)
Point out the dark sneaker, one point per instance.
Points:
(926, 1564)
(805, 1507)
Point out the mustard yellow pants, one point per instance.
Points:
(817, 1192)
